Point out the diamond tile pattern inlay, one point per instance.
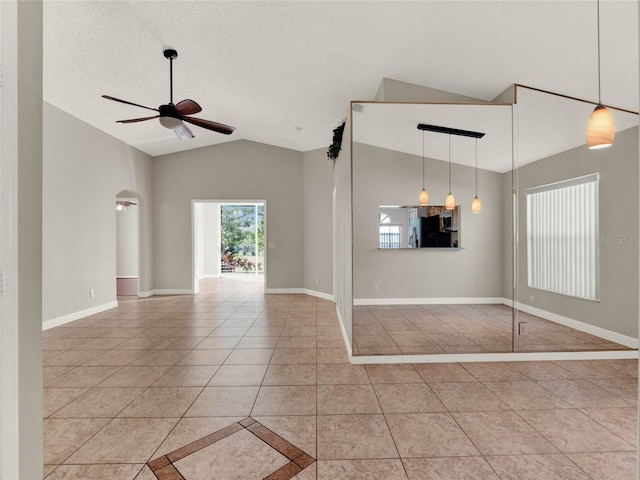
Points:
(272, 457)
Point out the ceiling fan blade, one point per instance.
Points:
(209, 125)
(133, 120)
(183, 132)
(188, 107)
(128, 103)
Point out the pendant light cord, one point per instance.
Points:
(423, 160)
(599, 81)
(476, 166)
(449, 163)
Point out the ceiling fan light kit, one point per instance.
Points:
(122, 205)
(173, 116)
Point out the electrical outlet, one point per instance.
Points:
(375, 285)
(522, 328)
(532, 298)
(92, 293)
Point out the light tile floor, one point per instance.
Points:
(426, 329)
(146, 380)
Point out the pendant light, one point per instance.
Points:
(476, 204)
(450, 202)
(601, 129)
(424, 195)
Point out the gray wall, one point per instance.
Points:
(318, 221)
(387, 177)
(84, 170)
(617, 309)
(391, 90)
(507, 195)
(235, 171)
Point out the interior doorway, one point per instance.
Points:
(229, 242)
(127, 247)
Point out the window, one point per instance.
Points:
(562, 237)
(389, 236)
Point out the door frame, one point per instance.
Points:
(195, 281)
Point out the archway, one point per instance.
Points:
(127, 244)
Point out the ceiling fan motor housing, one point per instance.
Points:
(168, 111)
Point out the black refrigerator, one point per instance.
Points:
(425, 232)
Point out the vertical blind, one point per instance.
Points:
(562, 237)
(389, 236)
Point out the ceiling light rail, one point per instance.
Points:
(450, 131)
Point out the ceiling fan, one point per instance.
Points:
(173, 116)
(122, 205)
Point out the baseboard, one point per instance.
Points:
(299, 291)
(619, 338)
(145, 294)
(284, 291)
(315, 293)
(56, 322)
(494, 357)
(172, 291)
(428, 301)
(345, 337)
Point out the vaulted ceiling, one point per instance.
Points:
(283, 73)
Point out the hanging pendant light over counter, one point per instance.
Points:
(450, 201)
(476, 204)
(601, 129)
(424, 195)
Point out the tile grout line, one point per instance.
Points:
(386, 422)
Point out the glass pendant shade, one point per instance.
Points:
(601, 129)
(450, 202)
(424, 197)
(476, 205)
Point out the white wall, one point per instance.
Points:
(198, 239)
(84, 170)
(211, 239)
(234, 170)
(21, 450)
(386, 177)
(207, 238)
(344, 254)
(318, 221)
(127, 241)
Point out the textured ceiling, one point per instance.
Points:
(283, 73)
